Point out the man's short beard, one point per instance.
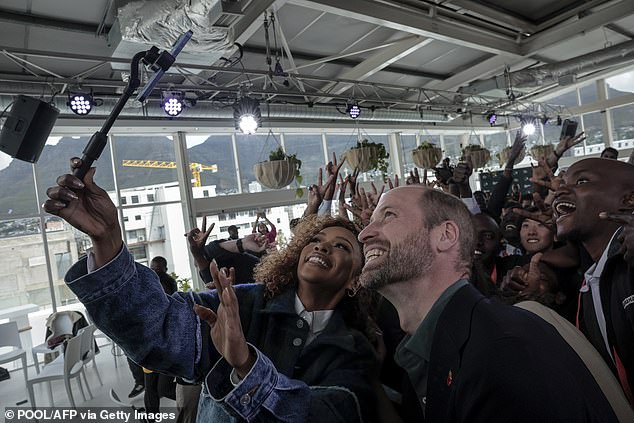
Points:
(408, 259)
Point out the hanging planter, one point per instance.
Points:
(479, 155)
(279, 171)
(367, 155)
(503, 156)
(426, 155)
(542, 151)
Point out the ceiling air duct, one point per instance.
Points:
(142, 24)
(562, 73)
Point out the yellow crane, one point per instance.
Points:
(196, 168)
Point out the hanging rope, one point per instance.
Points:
(268, 44)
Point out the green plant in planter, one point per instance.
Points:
(376, 161)
(479, 155)
(426, 155)
(183, 284)
(279, 154)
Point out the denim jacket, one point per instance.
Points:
(327, 381)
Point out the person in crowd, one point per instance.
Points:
(226, 252)
(606, 299)
(263, 228)
(139, 379)
(233, 232)
(292, 348)
(158, 385)
(488, 259)
(610, 153)
(535, 236)
(510, 226)
(159, 265)
(469, 359)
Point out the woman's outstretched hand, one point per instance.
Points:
(226, 328)
(87, 207)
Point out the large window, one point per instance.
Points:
(593, 128)
(622, 84)
(623, 124)
(17, 191)
(251, 150)
(144, 160)
(207, 151)
(495, 143)
(588, 93)
(452, 148)
(309, 149)
(408, 143)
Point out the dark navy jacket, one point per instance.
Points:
(495, 363)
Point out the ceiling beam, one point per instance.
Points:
(577, 26)
(252, 19)
(377, 62)
(418, 23)
(340, 59)
(48, 22)
(494, 15)
(480, 70)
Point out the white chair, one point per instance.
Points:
(60, 324)
(10, 337)
(88, 351)
(66, 367)
(114, 348)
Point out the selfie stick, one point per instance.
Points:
(159, 63)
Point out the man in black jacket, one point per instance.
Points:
(468, 359)
(606, 299)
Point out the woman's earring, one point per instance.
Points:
(351, 292)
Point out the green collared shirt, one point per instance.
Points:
(413, 353)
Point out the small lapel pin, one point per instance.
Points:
(449, 378)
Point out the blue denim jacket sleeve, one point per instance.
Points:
(265, 395)
(127, 302)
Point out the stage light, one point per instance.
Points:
(492, 118)
(353, 110)
(80, 104)
(172, 103)
(247, 115)
(528, 128)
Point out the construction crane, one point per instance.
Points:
(196, 168)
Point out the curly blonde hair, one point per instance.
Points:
(279, 269)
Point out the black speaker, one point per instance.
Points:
(28, 124)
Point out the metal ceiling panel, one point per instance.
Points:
(429, 54)
(12, 35)
(534, 10)
(449, 59)
(332, 35)
(75, 10)
(395, 78)
(14, 5)
(58, 40)
(626, 23)
(591, 41)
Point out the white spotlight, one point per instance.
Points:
(528, 129)
(247, 115)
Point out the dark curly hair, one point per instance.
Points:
(279, 270)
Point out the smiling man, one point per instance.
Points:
(468, 359)
(606, 312)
